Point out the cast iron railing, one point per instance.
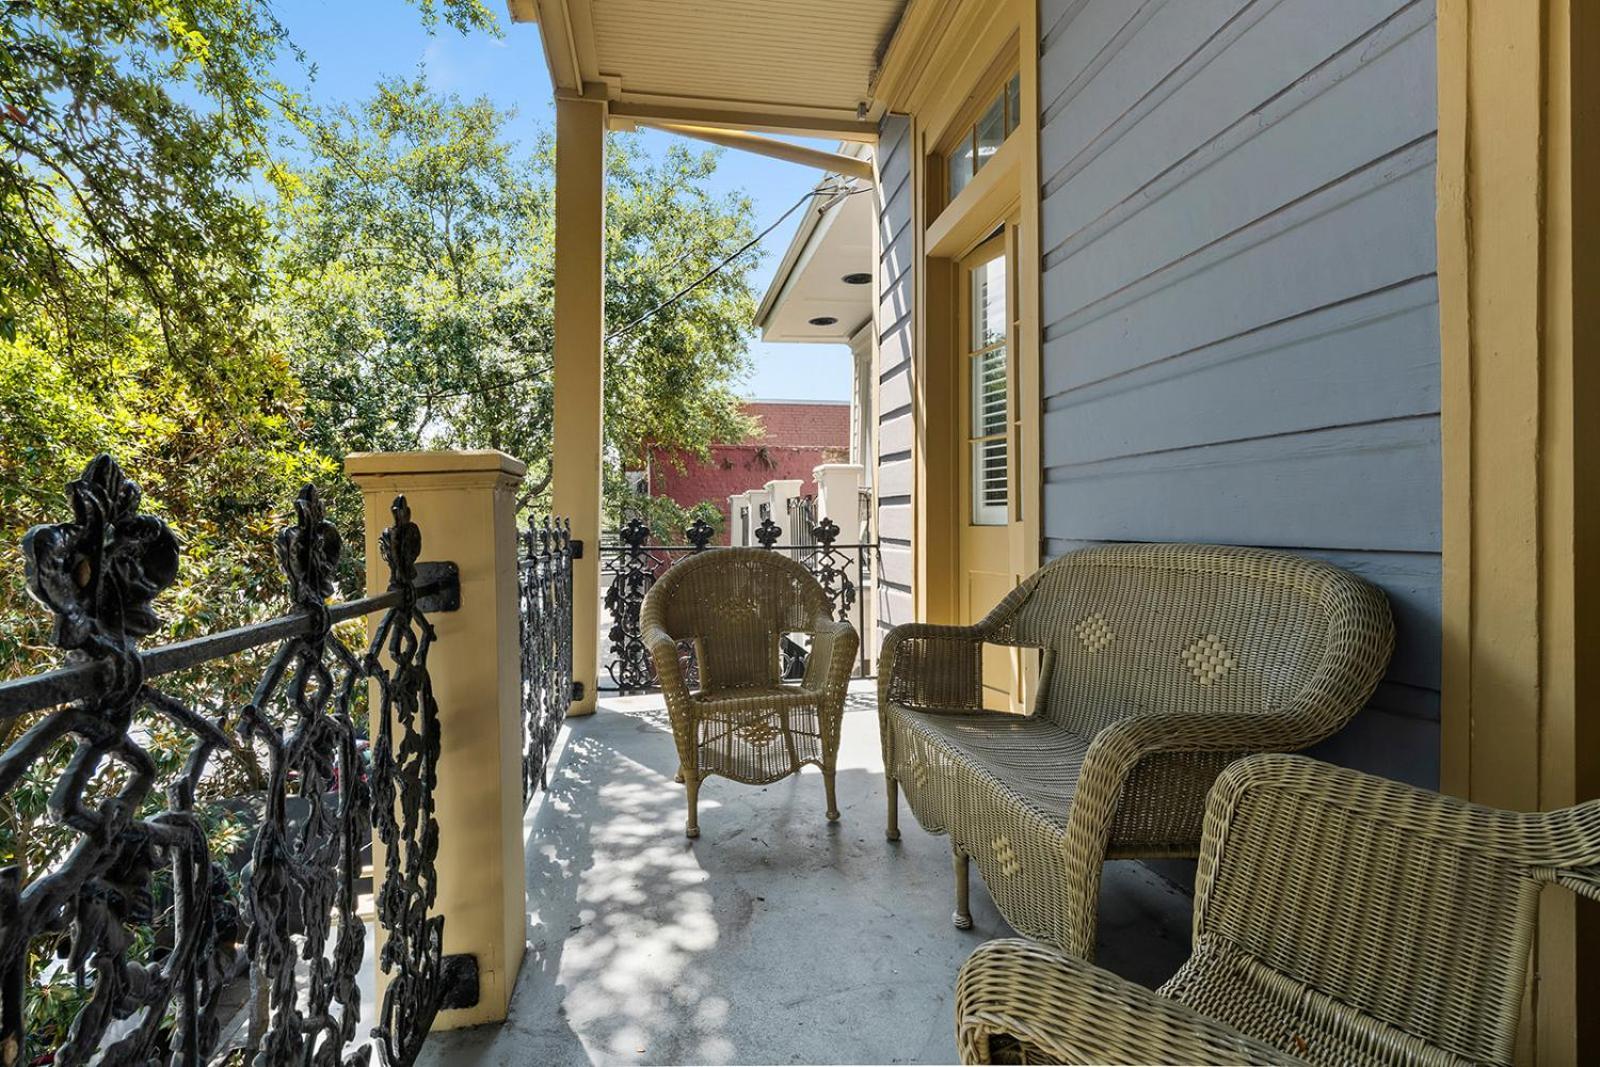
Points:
(633, 565)
(544, 569)
(138, 906)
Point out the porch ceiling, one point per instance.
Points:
(756, 64)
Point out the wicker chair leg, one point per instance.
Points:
(693, 827)
(963, 913)
(892, 830)
(833, 799)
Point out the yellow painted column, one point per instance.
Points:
(580, 365)
(465, 505)
(1519, 193)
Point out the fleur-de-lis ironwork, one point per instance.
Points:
(303, 870)
(840, 570)
(768, 533)
(99, 574)
(700, 532)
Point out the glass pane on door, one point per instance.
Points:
(989, 387)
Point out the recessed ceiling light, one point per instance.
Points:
(859, 278)
(823, 320)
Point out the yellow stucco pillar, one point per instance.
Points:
(464, 504)
(1519, 266)
(580, 365)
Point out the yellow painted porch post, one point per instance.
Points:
(465, 505)
(1519, 192)
(580, 365)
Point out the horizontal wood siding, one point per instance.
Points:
(1240, 315)
(895, 292)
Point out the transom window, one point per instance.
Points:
(982, 139)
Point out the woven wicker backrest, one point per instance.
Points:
(1143, 628)
(1402, 905)
(736, 604)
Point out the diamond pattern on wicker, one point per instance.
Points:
(1094, 632)
(1208, 659)
(758, 733)
(1005, 857)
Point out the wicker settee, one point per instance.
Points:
(1161, 663)
(1339, 919)
(736, 605)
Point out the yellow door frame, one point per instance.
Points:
(936, 81)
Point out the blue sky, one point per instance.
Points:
(352, 43)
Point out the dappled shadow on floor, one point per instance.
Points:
(774, 938)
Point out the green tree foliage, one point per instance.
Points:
(417, 295)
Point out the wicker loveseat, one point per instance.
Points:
(1339, 919)
(1162, 663)
(736, 605)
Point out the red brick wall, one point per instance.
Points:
(795, 437)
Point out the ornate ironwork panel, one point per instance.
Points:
(137, 907)
(545, 572)
(832, 568)
(633, 571)
(300, 892)
(405, 772)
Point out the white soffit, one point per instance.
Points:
(809, 282)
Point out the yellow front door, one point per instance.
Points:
(986, 365)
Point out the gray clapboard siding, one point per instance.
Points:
(1239, 304)
(896, 279)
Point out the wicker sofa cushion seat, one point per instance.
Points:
(1026, 762)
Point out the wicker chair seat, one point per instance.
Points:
(1161, 663)
(759, 735)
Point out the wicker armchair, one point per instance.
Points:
(1162, 663)
(1339, 919)
(736, 605)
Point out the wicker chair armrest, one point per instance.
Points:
(932, 668)
(1061, 1009)
(1240, 731)
(663, 651)
(834, 645)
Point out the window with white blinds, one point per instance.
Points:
(990, 386)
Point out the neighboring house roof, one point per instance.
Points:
(832, 243)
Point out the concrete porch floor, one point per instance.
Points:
(774, 938)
